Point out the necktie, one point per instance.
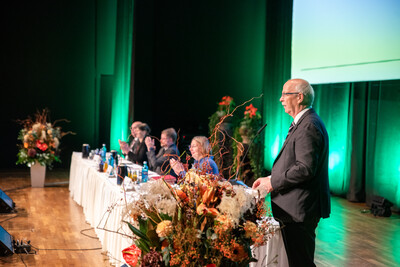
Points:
(290, 128)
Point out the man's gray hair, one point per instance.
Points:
(308, 92)
(170, 132)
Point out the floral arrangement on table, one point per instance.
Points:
(203, 221)
(40, 140)
(244, 133)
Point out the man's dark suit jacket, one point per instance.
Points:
(300, 172)
(160, 162)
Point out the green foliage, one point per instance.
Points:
(247, 125)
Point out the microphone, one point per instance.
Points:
(244, 156)
(260, 130)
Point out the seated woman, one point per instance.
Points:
(138, 153)
(200, 149)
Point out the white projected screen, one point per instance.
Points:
(346, 40)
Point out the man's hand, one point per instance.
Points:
(150, 143)
(124, 147)
(263, 184)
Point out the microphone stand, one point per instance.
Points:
(235, 181)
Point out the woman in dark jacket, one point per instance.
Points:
(138, 152)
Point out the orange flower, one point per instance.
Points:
(213, 212)
(250, 229)
(182, 195)
(250, 110)
(164, 228)
(238, 253)
(26, 145)
(224, 222)
(226, 101)
(201, 209)
(208, 195)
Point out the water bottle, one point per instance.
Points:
(111, 166)
(145, 172)
(111, 161)
(104, 152)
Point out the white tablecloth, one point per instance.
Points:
(103, 202)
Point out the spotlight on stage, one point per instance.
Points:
(381, 206)
(6, 240)
(6, 203)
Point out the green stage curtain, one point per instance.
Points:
(333, 103)
(122, 73)
(382, 168)
(364, 148)
(276, 72)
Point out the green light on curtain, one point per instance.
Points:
(334, 160)
(383, 178)
(275, 147)
(333, 104)
(122, 74)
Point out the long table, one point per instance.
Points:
(103, 203)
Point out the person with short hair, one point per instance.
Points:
(125, 147)
(298, 183)
(200, 149)
(138, 152)
(160, 163)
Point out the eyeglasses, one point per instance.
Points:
(285, 94)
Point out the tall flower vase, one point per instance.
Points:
(38, 175)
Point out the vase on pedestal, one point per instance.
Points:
(38, 175)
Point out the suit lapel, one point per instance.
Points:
(308, 112)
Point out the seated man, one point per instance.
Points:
(160, 162)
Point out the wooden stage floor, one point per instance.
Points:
(56, 225)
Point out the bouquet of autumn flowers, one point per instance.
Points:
(203, 221)
(40, 141)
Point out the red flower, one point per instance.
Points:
(226, 101)
(131, 255)
(250, 110)
(42, 146)
(211, 265)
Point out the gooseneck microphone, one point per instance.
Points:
(260, 130)
(244, 156)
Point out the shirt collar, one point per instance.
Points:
(298, 116)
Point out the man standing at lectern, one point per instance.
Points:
(299, 182)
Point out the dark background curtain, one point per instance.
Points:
(187, 55)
